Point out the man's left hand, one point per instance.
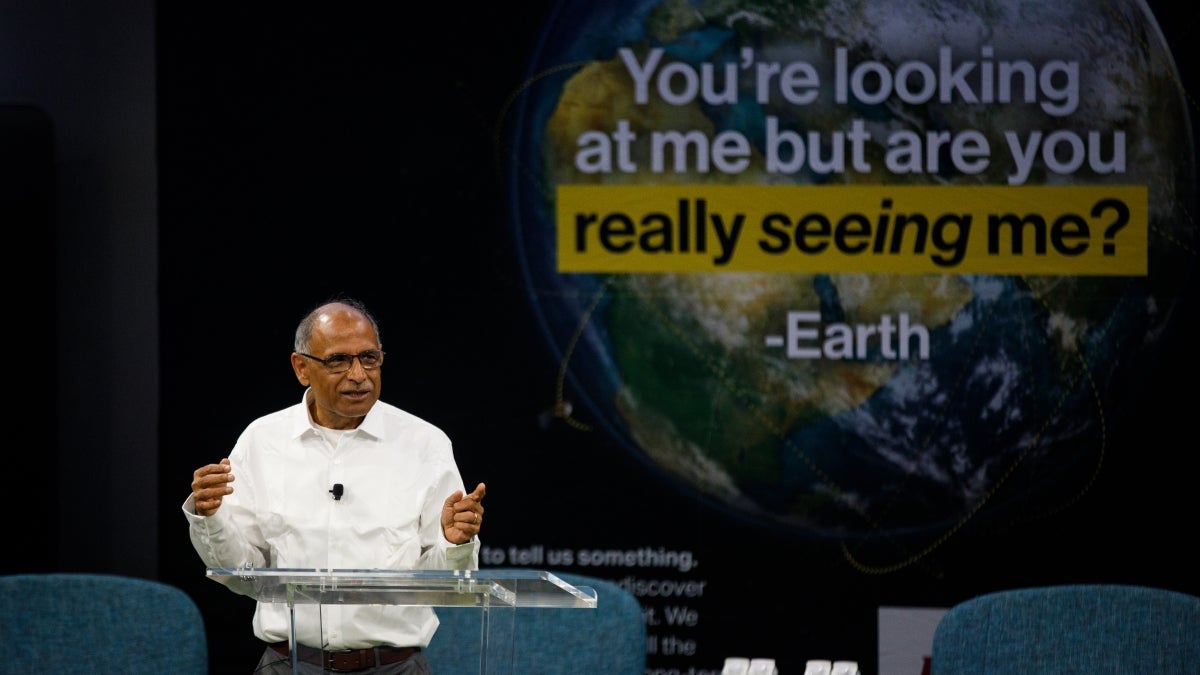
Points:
(462, 515)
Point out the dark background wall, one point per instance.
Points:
(144, 109)
(79, 78)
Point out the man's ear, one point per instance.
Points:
(300, 366)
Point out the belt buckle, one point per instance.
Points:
(352, 662)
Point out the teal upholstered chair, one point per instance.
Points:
(608, 640)
(1070, 630)
(98, 624)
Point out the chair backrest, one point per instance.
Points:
(611, 639)
(98, 624)
(1085, 628)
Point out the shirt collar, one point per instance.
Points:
(372, 424)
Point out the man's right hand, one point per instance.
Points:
(210, 484)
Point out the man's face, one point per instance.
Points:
(340, 400)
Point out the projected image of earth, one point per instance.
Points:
(1009, 412)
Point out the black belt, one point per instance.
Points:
(347, 660)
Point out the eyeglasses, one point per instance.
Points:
(340, 363)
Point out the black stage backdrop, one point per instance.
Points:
(345, 150)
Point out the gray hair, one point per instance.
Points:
(304, 331)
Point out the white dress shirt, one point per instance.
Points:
(396, 471)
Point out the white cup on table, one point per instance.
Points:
(762, 667)
(818, 667)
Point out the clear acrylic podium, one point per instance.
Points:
(496, 593)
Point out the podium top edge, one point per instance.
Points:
(365, 574)
(508, 586)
